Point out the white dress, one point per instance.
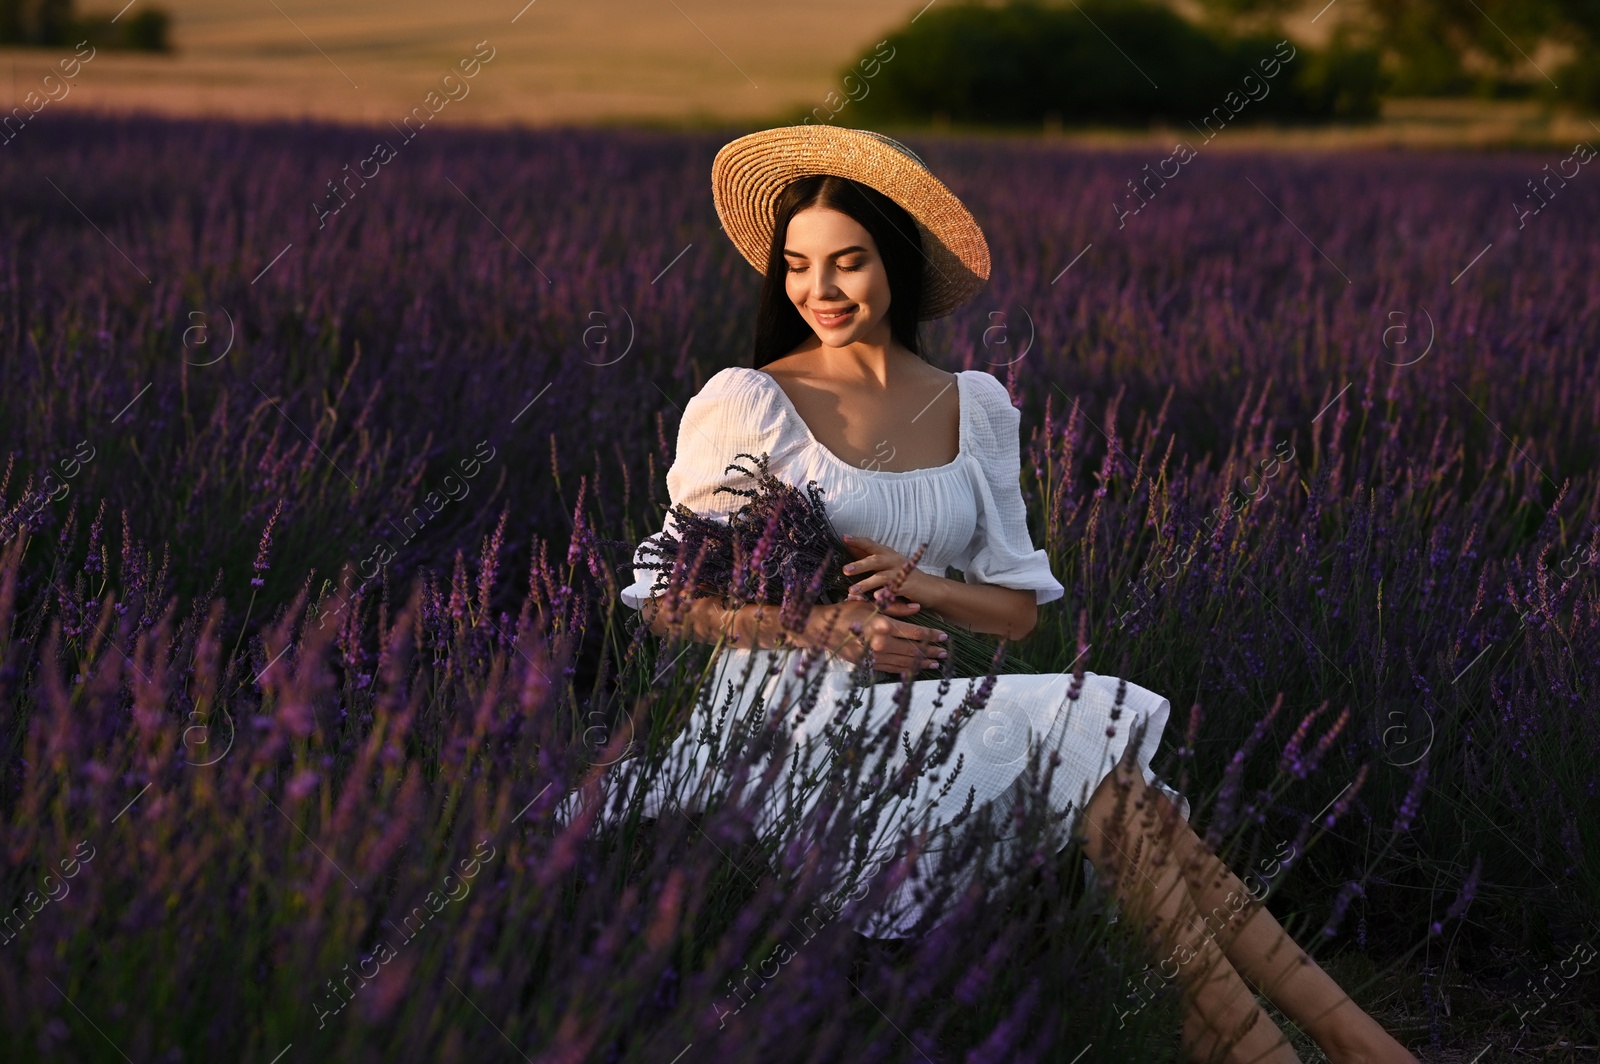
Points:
(970, 513)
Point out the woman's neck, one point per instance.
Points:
(862, 362)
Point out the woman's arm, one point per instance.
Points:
(1008, 612)
(979, 607)
(1006, 577)
(705, 620)
(987, 608)
(896, 641)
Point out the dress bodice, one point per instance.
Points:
(969, 511)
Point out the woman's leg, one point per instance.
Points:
(1259, 948)
(1222, 1019)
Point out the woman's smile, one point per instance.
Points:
(833, 317)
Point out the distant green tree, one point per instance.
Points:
(143, 31)
(51, 23)
(1014, 63)
(1101, 62)
(1458, 47)
(43, 22)
(147, 31)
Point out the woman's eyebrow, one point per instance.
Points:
(836, 254)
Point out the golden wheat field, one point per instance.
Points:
(567, 61)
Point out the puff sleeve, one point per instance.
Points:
(732, 414)
(1002, 550)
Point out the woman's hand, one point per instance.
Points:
(883, 564)
(897, 646)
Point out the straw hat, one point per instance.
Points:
(749, 174)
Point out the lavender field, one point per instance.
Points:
(319, 489)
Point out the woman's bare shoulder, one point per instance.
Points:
(797, 364)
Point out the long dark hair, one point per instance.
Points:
(779, 326)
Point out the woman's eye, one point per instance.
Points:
(797, 269)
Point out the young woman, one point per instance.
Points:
(857, 242)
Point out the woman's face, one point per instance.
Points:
(836, 278)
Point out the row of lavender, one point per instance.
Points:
(1287, 437)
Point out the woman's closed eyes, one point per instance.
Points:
(842, 267)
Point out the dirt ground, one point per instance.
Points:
(1477, 1019)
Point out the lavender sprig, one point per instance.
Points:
(780, 549)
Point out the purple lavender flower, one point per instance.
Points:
(1326, 742)
(260, 565)
(579, 516)
(1413, 799)
(1341, 902)
(1291, 762)
(1343, 804)
(1469, 890)
(95, 559)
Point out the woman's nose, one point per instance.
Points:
(823, 283)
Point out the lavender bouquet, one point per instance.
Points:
(780, 548)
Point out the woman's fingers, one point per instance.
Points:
(898, 645)
(902, 663)
(916, 633)
(909, 662)
(864, 563)
(861, 587)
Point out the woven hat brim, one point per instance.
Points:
(749, 174)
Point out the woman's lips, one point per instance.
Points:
(834, 317)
